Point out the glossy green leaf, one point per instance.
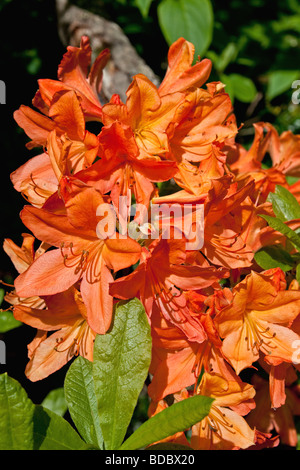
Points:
(55, 401)
(120, 366)
(281, 227)
(16, 416)
(243, 87)
(82, 402)
(298, 273)
(2, 294)
(274, 257)
(176, 418)
(190, 19)
(228, 55)
(228, 85)
(143, 6)
(8, 321)
(280, 81)
(284, 203)
(52, 432)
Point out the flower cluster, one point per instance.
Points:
(214, 313)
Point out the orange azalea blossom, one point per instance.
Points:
(80, 255)
(147, 114)
(258, 320)
(224, 241)
(69, 148)
(74, 73)
(122, 170)
(285, 155)
(269, 419)
(223, 428)
(177, 362)
(22, 257)
(197, 135)
(180, 74)
(66, 316)
(280, 377)
(65, 116)
(161, 279)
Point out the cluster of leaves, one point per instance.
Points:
(98, 398)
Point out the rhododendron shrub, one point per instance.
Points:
(199, 305)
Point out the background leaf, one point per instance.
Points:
(280, 81)
(55, 401)
(243, 87)
(120, 366)
(8, 321)
(274, 257)
(16, 416)
(281, 227)
(143, 6)
(178, 417)
(190, 19)
(52, 432)
(284, 203)
(82, 402)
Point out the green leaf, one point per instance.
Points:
(274, 257)
(190, 19)
(52, 432)
(55, 401)
(120, 366)
(16, 416)
(243, 87)
(143, 6)
(2, 294)
(298, 273)
(281, 227)
(82, 401)
(8, 321)
(284, 203)
(280, 81)
(177, 418)
(228, 55)
(228, 85)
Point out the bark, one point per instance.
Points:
(74, 22)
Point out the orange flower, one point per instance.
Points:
(74, 74)
(224, 243)
(196, 136)
(147, 114)
(181, 75)
(65, 138)
(284, 151)
(223, 428)
(258, 319)
(66, 316)
(160, 280)
(80, 255)
(122, 171)
(178, 362)
(22, 257)
(280, 420)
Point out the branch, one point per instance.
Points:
(74, 22)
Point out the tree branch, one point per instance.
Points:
(74, 22)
